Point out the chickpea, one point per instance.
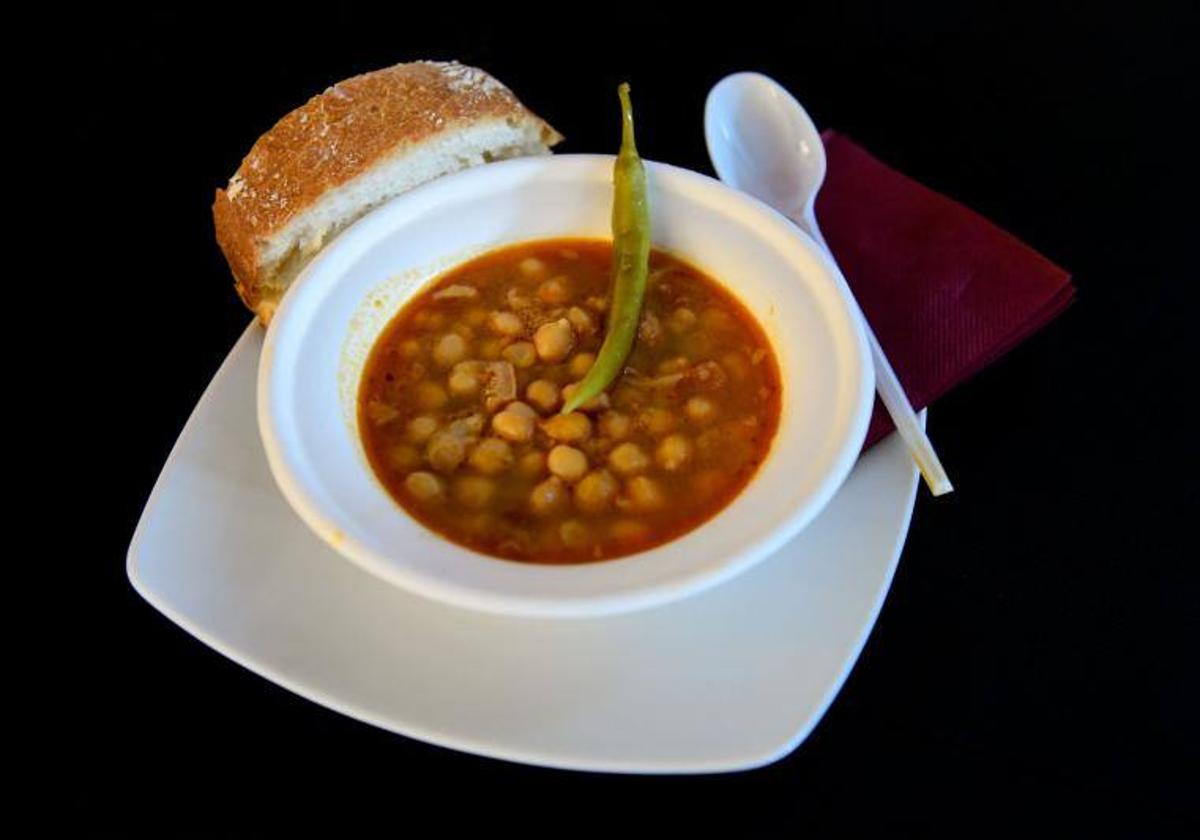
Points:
(595, 491)
(580, 320)
(449, 350)
(431, 395)
(567, 462)
(600, 304)
(445, 452)
(474, 491)
(542, 393)
(548, 497)
(700, 409)
(553, 291)
(380, 413)
(463, 383)
(656, 421)
(554, 340)
(410, 349)
(421, 429)
(466, 427)
(615, 425)
(491, 456)
(506, 323)
(644, 493)
(404, 457)
(520, 408)
(423, 486)
(736, 365)
(532, 268)
(596, 403)
(532, 464)
(682, 320)
(580, 364)
(521, 354)
(513, 426)
(475, 316)
(673, 452)
(464, 330)
(568, 428)
(573, 533)
(628, 459)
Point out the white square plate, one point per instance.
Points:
(729, 679)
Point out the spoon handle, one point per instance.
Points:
(891, 392)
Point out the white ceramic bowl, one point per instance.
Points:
(327, 323)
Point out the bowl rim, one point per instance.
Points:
(369, 228)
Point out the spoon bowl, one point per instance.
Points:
(762, 142)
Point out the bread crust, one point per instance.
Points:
(341, 134)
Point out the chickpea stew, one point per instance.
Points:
(459, 406)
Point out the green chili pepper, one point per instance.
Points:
(631, 262)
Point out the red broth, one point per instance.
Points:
(459, 406)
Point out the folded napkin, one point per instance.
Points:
(946, 291)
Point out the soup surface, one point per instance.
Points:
(460, 397)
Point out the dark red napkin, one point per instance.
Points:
(946, 291)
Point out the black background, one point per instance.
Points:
(1033, 658)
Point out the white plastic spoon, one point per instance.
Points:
(762, 142)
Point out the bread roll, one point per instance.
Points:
(350, 149)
